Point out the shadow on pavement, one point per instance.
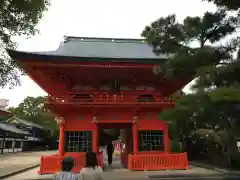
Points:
(195, 176)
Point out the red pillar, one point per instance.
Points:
(61, 140)
(135, 138)
(95, 139)
(166, 139)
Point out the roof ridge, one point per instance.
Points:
(101, 39)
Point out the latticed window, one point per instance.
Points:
(78, 141)
(151, 140)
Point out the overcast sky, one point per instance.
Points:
(96, 18)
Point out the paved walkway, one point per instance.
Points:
(123, 174)
(222, 170)
(13, 162)
(117, 172)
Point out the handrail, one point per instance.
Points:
(112, 100)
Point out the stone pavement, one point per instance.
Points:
(14, 162)
(117, 172)
(124, 174)
(222, 170)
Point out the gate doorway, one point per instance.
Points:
(115, 132)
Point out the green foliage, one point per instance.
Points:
(167, 36)
(20, 18)
(17, 17)
(196, 49)
(235, 162)
(175, 146)
(229, 4)
(32, 109)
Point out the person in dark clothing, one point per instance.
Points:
(110, 151)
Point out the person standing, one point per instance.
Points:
(66, 170)
(91, 171)
(110, 150)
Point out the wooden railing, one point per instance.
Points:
(158, 162)
(111, 100)
(52, 164)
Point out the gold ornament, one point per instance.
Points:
(94, 119)
(157, 69)
(60, 120)
(135, 120)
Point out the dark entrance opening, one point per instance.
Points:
(114, 132)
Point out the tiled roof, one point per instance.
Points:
(24, 122)
(12, 128)
(107, 48)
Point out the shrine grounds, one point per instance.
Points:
(11, 163)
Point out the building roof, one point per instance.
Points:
(16, 120)
(8, 127)
(85, 49)
(4, 115)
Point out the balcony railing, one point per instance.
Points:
(112, 100)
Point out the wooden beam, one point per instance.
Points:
(45, 82)
(88, 64)
(35, 77)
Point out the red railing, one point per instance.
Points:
(111, 100)
(158, 162)
(52, 164)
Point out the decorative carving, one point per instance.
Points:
(94, 119)
(156, 70)
(135, 120)
(60, 120)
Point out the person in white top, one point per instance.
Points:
(66, 171)
(91, 171)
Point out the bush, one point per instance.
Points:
(175, 146)
(235, 161)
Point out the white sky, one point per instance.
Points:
(96, 18)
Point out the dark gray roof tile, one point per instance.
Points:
(12, 128)
(102, 48)
(106, 48)
(25, 123)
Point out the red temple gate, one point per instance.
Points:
(99, 81)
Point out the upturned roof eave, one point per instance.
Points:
(48, 56)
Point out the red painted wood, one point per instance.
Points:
(4, 113)
(61, 140)
(75, 64)
(111, 110)
(135, 138)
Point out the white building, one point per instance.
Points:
(3, 104)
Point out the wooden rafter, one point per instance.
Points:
(89, 65)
